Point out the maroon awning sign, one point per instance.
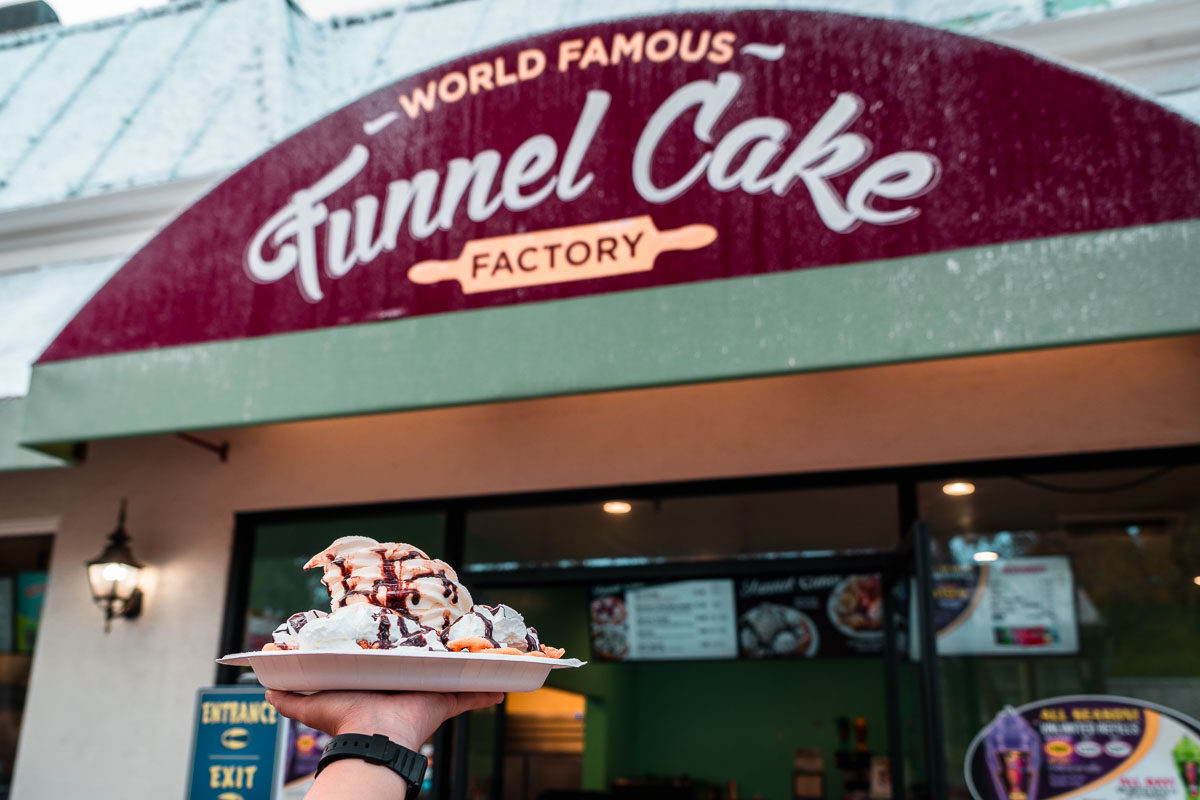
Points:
(643, 153)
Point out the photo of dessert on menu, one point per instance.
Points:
(810, 616)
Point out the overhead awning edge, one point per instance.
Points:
(13, 456)
(1086, 288)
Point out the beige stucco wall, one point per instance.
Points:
(119, 706)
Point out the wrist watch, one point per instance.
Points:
(377, 749)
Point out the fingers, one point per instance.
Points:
(330, 711)
(287, 703)
(470, 701)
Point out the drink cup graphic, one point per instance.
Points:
(1013, 755)
(1187, 761)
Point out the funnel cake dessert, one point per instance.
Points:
(398, 577)
(387, 595)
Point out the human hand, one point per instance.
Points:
(407, 718)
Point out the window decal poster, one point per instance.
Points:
(1018, 605)
(1094, 746)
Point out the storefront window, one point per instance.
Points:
(694, 728)
(687, 702)
(23, 564)
(621, 531)
(804, 564)
(1097, 573)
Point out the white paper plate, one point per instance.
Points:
(398, 670)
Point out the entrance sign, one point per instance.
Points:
(646, 153)
(235, 745)
(1094, 746)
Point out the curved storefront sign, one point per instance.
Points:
(645, 153)
(1094, 746)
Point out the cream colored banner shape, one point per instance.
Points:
(580, 252)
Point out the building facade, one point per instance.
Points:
(500, 445)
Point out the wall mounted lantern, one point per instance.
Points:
(114, 576)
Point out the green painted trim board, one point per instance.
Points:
(14, 457)
(1122, 284)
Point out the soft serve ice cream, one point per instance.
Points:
(492, 627)
(370, 627)
(386, 595)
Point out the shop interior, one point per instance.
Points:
(24, 561)
(847, 716)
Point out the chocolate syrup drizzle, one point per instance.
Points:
(385, 631)
(488, 629)
(390, 592)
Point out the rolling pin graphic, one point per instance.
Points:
(580, 252)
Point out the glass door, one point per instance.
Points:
(1091, 589)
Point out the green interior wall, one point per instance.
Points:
(710, 720)
(744, 720)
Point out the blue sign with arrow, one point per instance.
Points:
(235, 745)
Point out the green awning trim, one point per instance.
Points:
(13, 456)
(1123, 284)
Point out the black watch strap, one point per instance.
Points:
(377, 749)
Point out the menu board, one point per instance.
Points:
(663, 622)
(1094, 746)
(810, 616)
(1019, 605)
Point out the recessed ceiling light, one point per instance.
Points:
(617, 507)
(987, 555)
(1196, 580)
(958, 488)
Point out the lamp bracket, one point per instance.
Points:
(222, 449)
(133, 606)
(132, 609)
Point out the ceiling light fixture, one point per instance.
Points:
(617, 507)
(985, 556)
(958, 488)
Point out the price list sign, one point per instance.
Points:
(663, 622)
(1018, 605)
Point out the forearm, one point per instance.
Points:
(353, 777)
(407, 719)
